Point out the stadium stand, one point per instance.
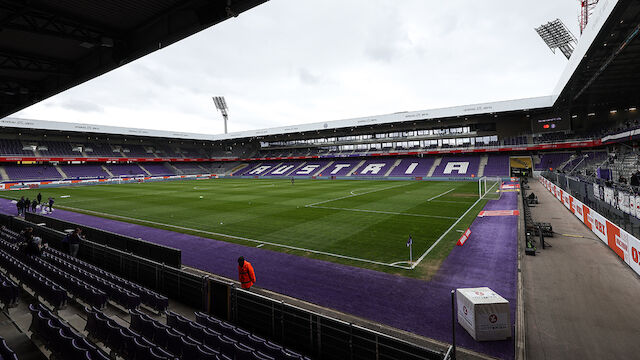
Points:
(125, 169)
(84, 171)
(31, 172)
(497, 165)
(188, 168)
(454, 166)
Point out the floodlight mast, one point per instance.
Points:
(556, 35)
(221, 105)
(586, 10)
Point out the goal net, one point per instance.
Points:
(489, 187)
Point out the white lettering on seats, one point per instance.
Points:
(459, 167)
(373, 169)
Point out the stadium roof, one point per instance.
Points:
(432, 114)
(604, 70)
(48, 46)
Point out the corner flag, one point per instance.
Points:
(410, 246)
(410, 241)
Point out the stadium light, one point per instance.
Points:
(221, 105)
(557, 36)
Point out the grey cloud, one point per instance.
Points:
(81, 106)
(306, 77)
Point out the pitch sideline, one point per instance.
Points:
(235, 237)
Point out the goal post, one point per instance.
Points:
(488, 187)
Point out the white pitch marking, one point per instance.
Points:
(352, 195)
(384, 212)
(444, 193)
(235, 237)
(260, 245)
(417, 262)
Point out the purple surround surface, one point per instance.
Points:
(488, 258)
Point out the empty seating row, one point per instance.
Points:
(121, 296)
(174, 341)
(121, 291)
(9, 292)
(5, 352)
(220, 334)
(122, 341)
(41, 285)
(60, 338)
(75, 286)
(150, 298)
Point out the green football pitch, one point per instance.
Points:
(357, 222)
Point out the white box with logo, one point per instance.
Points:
(483, 313)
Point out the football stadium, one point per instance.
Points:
(499, 230)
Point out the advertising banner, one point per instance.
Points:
(625, 245)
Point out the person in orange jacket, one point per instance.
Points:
(246, 273)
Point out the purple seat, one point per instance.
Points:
(255, 341)
(243, 352)
(159, 334)
(196, 331)
(206, 353)
(174, 341)
(189, 348)
(142, 348)
(290, 355)
(227, 345)
(159, 354)
(211, 338)
(126, 344)
(272, 349)
(258, 355)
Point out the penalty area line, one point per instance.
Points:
(417, 262)
(235, 237)
(444, 193)
(383, 212)
(358, 194)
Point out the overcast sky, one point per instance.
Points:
(298, 61)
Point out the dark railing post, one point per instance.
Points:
(453, 324)
(541, 236)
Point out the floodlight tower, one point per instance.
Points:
(586, 10)
(222, 106)
(556, 35)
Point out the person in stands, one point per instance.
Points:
(20, 205)
(246, 274)
(74, 242)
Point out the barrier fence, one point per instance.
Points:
(624, 244)
(146, 249)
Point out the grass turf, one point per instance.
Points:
(369, 220)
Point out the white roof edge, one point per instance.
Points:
(454, 111)
(600, 16)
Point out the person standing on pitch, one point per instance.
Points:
(27, 206)
(292, 180)
(246, 274)
(39, 197)
(50, 204)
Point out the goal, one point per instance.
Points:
(489, 187)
